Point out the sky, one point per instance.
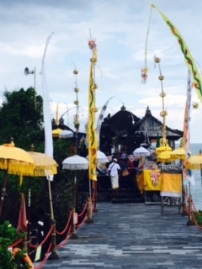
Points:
(120, 29)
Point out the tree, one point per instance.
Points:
(20, 119)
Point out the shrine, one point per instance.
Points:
(123, 132)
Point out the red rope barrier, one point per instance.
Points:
(64, 242)
(45, 239)
(84, 210)
(45, 258)
(67, 225)
(16, 243)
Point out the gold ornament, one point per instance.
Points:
(195, 105)
(161, 77)
(76, 102)
(75, 72)
(163, 113)
(157, 60)
(163, 94)
(76, 89)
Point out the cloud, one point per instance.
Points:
(119, 29)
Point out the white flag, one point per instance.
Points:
(46, 109)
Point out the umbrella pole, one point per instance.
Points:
(74, 235)
(29, 215)
(54, 255)
(3, 194)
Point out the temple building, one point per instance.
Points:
(124, 132)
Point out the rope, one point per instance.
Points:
(45, 239)
(67, 225)
(46, 257)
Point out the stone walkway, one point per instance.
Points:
(133, 236)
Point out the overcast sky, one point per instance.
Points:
(119, 28)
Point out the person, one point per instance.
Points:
(113, 171)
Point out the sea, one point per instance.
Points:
(196, 187)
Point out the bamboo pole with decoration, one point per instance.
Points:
(76, 125)
(91, 129)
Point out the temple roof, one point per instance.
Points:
(122, 120)
(153, 127)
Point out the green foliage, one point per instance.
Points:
(198, 217)
(9, 235)
(20, 119)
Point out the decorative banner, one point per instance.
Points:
(197, 81)
(101, 117)
(92, 133)
(46, 109)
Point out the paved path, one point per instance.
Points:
(125, 236)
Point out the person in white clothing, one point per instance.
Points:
(113, 171)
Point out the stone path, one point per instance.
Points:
(125, 236)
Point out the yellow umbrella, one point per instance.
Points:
(194, 162)
(178, 154)
(163, 148)
(15, 160)
(56, 132)
(164, 157)
(44, 164)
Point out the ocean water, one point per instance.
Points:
(196, 189)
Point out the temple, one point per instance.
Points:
(124, 132)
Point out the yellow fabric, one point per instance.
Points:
(178, 154)
(44, 164)
(194, 162)
(140, 182)
(92, 134)
(56, 132)
(152, 180)
(171, 183)
(9, 152)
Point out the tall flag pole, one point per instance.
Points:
(48, 143)
(92, 133)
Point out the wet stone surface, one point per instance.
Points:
(132, 236)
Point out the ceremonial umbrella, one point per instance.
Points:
(66, 134)
(164, 157)
(75, 163)
(101, 157)
(56, 132)
(14, 161)
(163, 148)
(178, 154)
(194, 162)
(45, 166)
(141, 152)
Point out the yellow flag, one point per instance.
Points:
(92, 133)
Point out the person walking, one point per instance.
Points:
(113, 171)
